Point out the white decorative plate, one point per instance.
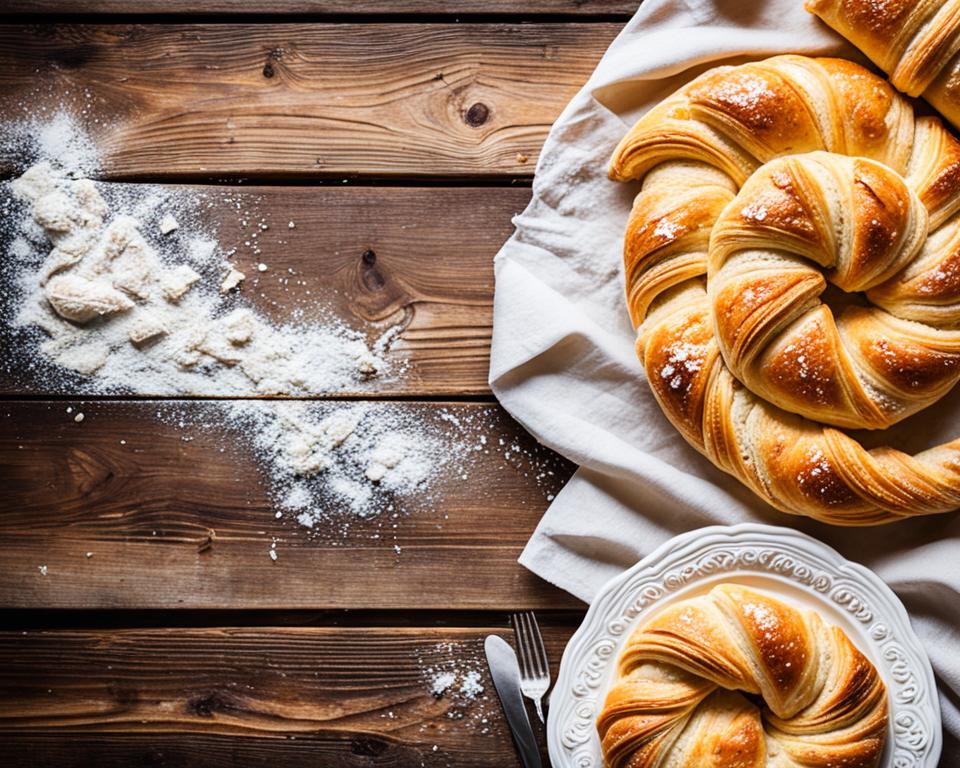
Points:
(798, 569)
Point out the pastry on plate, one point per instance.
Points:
(736, 678)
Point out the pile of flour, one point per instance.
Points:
(124, 289)
(134, 310)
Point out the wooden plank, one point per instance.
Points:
(308, 101)
(584, 8)
(373, 257)
(248, 696)
(177, 512)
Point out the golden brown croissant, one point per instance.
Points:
(673, 700)
(916, 42)
(761, 184)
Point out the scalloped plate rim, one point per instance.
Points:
(702, 541)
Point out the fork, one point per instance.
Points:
(534, 669)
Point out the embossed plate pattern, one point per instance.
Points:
(796, 568)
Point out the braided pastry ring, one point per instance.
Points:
(725, 367)
(675, 700)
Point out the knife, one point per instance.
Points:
(505, 672)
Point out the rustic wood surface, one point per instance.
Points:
(159, 632)
(159, 542)
(372, 8)
(374, 257)
(305, 100)
(253, 696)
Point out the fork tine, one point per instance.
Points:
(535, 645)
(528, 638)
(525, 650)
(541, 648)
(527, 645)
(518, 633)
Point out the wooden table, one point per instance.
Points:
(401, 136)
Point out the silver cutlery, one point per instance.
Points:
(534, 668)
(505, 671)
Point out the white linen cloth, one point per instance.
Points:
(563, 362)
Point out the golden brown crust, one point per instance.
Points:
(861, 220)
(916, 42)
(733, 354)
(674, 698)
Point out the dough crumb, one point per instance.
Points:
(78, 299)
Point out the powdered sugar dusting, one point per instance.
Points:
(684, 361)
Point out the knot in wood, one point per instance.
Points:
(477, 115)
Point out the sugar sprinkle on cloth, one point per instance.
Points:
(563, 362)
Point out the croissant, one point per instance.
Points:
(763, 184)
(917, 43)
(675, 698)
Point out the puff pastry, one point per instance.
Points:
(675, 699)
(762, 184)
(916, 42)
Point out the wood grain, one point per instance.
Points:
(304, 101)
(584, 8)
(373, 257)
(178, 513)
(252, 696)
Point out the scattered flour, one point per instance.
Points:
(318, 456)
(119, 289)
(454, 672)
(441, 682)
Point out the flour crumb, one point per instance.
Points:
(471, 687)
(232, 280)
(42, 569)
(441, 682)
(78, 418)
(177, 281)
(168, 224)
(145, 327)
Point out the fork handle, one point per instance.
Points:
(538, 703)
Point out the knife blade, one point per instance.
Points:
(505, 672)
